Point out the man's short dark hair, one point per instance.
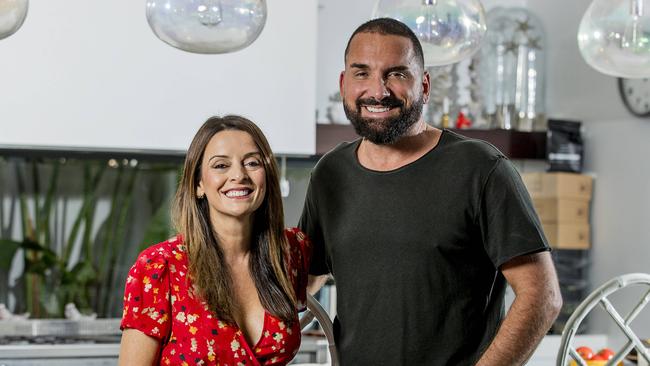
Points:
(389, 26)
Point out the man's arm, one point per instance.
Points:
(537, 303)
(315, 283)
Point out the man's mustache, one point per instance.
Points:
(389, 102)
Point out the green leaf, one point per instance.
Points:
(8, 249)
(84, 272)
(159, 227)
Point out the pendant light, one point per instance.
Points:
(12, 16)
(614, 37)
(449, 30)
(207, 26)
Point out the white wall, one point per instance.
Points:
(92, 73)
(616, 152)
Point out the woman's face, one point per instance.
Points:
(233, 179)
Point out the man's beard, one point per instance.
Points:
(384, 131)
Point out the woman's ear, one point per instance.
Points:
(200, 192)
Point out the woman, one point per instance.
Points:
(227, 289)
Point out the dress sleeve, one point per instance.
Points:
(508, 220)
(147, 304)
(300, 254)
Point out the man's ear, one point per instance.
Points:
(426, 86)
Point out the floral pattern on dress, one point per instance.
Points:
(159, 303)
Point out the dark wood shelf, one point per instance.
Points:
(514, 144)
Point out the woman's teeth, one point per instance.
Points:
(240, 193)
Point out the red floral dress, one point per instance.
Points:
(157, 302)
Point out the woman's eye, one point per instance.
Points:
(254, 163)
(220, 166)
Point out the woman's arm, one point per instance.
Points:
(137, 349)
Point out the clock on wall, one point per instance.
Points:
(636, 95)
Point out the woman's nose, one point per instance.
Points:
(238, 173)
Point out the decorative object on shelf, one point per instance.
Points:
(72, 313)
(438, 106)
(12, 16)
(614, 37)
(335, 112)
(512, 70)
(458, 86)
(449, 30)
(636, 95)
(5, 314)
(207, 26)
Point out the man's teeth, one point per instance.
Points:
(377, 109)
(237, 193)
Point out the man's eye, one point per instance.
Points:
(399, 75)
(361, 74)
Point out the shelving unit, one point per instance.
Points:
(514, 144)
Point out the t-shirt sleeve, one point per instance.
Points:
(509, 224)
(300, 253)
(310, 225)
(147, 303)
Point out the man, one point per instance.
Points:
(422, 228)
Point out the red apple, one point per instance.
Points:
(607, 353)
(598, 357)
(585, 352)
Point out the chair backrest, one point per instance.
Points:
(600, 296)
(315, 310)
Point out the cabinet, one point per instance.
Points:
(514, 144)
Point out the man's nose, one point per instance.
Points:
(377, 88)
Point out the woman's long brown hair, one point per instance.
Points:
(191, 216)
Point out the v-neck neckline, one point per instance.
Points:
(244, 341)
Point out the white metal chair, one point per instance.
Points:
(315, 310)
(600, 296)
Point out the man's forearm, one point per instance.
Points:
(526, 323)
(315, 283)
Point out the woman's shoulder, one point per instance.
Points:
(172, 249)
(297, 238)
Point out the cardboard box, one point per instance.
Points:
(563, 210)
(558, 185)
(567, 236)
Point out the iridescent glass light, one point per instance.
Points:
(614, 37)
(207, 26)
(449, 30)
(12, 16)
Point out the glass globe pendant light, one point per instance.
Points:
(12, 16)
(449, 30)
(614, 37)
(207, 26)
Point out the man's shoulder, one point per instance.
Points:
(470, 147)
(339, 156)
